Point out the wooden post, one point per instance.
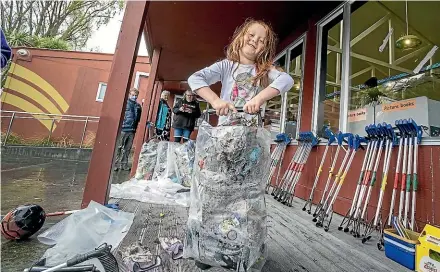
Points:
(98, 178)
(146, 109)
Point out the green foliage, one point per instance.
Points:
(51, 43)
(69, 22)
(23, 39)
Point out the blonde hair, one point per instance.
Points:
(264, 59)
(135, 90)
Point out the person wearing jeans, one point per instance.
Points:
(186, 111)
(132, 116)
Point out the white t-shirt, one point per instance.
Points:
(236, 80)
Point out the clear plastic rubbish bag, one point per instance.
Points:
(84, 231)
(227, 216)
(164, 168)
(147, 160)
(184, 162)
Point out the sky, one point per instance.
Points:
(107, 36)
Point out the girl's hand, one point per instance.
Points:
(253, 106)
(222, 107)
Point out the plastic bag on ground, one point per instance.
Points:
(227, 216)
(157, 191)
(184, 162)
(147, 160)
(84, 231)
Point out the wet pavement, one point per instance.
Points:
(55, 185)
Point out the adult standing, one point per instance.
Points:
(186, 111)
(163, 119)
(132, 116)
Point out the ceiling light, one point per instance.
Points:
(408, 41)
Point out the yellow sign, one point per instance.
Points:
(399, 105)
(357, 115)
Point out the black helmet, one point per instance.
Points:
(22, 222)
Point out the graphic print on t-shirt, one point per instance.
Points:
(243, 90)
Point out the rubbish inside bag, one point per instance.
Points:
(147, 160)
(227, 216)
(166, 160)
(84, 231)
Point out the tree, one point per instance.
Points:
(70, 21)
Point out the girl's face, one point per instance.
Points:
(253, 42)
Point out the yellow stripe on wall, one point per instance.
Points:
(30, 76)
(26, 106)
(32, 93)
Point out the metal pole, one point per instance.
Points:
(51, 128)
(9, 129)
(84, 132)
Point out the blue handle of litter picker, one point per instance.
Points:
(342, 136)
(330, 135)
(417, 130)
(358, 140)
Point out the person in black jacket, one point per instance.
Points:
(132, 116)
(186, 111)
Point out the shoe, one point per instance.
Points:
(116, 169)
(203, 266)
(125, 168)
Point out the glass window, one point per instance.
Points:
(102, 87)
(293, 96)
(395, 67)
(328, 79)
(274, 109)
(272, 112)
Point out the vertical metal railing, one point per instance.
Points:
(54, 118)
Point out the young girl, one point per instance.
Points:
(247, 74)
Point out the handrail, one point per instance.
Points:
(47, 116)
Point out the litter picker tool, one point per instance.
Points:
(397, 173)
(102, 253)
(331, 139)
(312, 141)
(376, 223)
(374, 133)
(403, 127)
(321, 213)
(348, 219)
(412, 138)
(283, 140)
(290, 169)
(354, 144)
(417, 140)
(305, 142)
(318, 208)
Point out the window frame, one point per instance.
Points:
(97, 99)
(300, 41)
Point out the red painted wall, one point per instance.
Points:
(76, 76)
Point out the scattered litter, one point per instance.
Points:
(173, 246)
(85, 230)
(138, 258)
(161, 214)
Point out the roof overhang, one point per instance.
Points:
(192, 35)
